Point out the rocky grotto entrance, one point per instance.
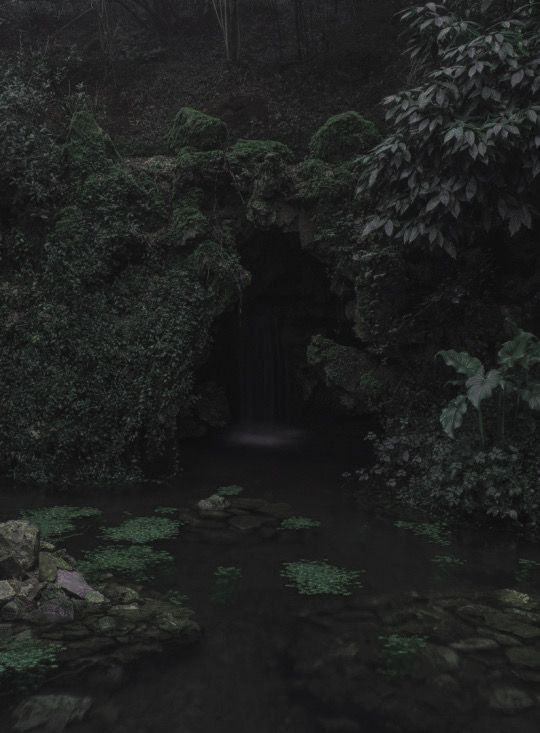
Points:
(259, 356)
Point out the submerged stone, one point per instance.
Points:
(524, 656)
(509, 700)
(475, 644)
(50, 713)
(6, 592)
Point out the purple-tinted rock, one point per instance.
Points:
(73, 582)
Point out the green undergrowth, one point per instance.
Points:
(225, 584)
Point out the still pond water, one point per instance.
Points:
(235, 682)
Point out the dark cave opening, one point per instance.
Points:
(259, 355)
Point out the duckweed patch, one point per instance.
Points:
(233, 490)
(312, 578)
(299, 523)
(138, 562)
(24, 662)
(143, 529)
(57, 521)
(435, 532)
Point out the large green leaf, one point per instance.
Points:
(523, 351)
(480, 386)
(531, 395)
(452, 416)
(461, 361)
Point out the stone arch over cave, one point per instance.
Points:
(259, 354)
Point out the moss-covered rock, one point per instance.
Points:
(188, 224)
(351, 382)
(249, 153)
(193, 129)
(88, 146)
(343, 136)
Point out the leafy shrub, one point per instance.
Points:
(312, 578)
(452, 478)
(463, 156)
(30, 175)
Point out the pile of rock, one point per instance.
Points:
(43, 596)
(465, 663)
(227, 519)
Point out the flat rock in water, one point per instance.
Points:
(73, 582)
(246, 523)
(50, 713)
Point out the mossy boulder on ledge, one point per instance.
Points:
(194, 129)
(88, 147)
(343, 136)
(346, 376)
(249, 153)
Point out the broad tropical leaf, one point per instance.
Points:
(523, 350)
(480, 386)
(452, 416)
(531, 395)
(462, 362)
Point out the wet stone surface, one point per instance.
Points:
(416, 664)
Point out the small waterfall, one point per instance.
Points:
(263, 369)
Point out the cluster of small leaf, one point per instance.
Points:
(313, 578)
(24, 662)
(56, 522)
(463, 155)
(136, 562)
(143, 529)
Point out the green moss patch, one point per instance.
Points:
(232, 490)
(250, 153)
(343, 137)
(191, 128)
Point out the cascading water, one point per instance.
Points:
(263, 369)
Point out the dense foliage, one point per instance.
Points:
(463, 155)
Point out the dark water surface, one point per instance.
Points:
(235, 681)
